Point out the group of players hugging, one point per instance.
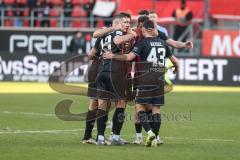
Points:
(127, 64)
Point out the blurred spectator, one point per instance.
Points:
(32, 4)
(143, 13)
(154, 17)
(106, 9)
(18, 9)
(68, 6)
(183, 16)
(3, 6)
(78, 44)
(88, 7)
(45, 8)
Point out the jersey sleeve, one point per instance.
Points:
(137, 49)
(168, 51)
(162, 35)
(97, 44)
(118, 33)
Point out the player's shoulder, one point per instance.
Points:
(141, 41)
(118, 32)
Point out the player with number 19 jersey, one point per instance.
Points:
(112, 78)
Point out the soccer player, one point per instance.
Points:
(170, 42)
(143, 13)
(111, 83)
(153, 16)
(94, 68)
(153, 50)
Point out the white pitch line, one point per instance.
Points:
(41, 131)
(201, 139)
(29, 113)
(45, 131)
(128, 136)
(79, 130)
(193, 139)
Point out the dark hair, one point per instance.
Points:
(118, 16)
(142, 19)
(152, 12)
(143, 13)
(148, 24)
(126, 14)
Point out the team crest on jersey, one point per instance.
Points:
(120, 33)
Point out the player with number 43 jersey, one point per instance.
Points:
(152, 52)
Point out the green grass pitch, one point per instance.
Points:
(30, 131)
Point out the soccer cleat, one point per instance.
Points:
(155, 143)
(138, 140)
(101, 143)
(159, 141)
(110, 137)
(116, 142)
(122, 140)
(89, 141)
(107, 143)
(151, 136)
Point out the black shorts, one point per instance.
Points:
(111, 86)
(156, 101)
(92, 90)
(92, 78)
(150, 95)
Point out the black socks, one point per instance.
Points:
(118, 119)
(90, 120)
(102, 117)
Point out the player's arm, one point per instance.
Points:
(92, 53)
(103, 31)
(123, 57)
(178, 44)
(174, 61)
(172, 58)
(173, 43)
(125, 38)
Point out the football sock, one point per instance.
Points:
(101, 138)
(139, 135)
(143, 116)
(138, 127)
(118, 119)
(90, 120)
(116, 137)
(156, 123)
(150, 118)
(102, 117)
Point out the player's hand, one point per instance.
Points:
(134, 34)
(188, 44)
(108, 55)
(175, 71)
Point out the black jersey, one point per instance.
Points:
(95, 67)
(107, 44)
(162, 35)
(152, 50)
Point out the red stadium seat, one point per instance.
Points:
(9, 21)
(84, 1)
(76, 2)
(26, 16)
(56, 2)
(9, 1)
(54, 14)
(100, 23)
(24, 2)
(78, 12)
